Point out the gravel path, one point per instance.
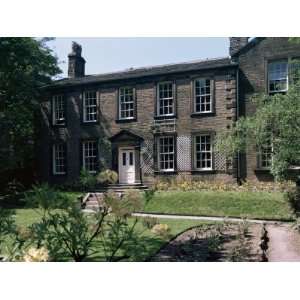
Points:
(284, 244)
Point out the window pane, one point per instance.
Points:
(203, 97)
(90, 106)
(203, 152)
(58, 110)
(90, 155)
(126, 103)
(59, 159)
(165, 99)
(278, 76)
(166, 153)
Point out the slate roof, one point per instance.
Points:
(147, 71)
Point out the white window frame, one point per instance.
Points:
(203, 95)
(122, 93)
(205, 151)
(57, 109)
(84, 157)
(265, 151)
(286, 78)
(165, 99)
(56, 159)
(90, 107)
(165, 153)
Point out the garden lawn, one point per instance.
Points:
(256, 205)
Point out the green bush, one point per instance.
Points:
(87, 181)
(107, 177)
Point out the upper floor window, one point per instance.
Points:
(203, 96)
(165, 99)
(203, 152)
(278, 76)
(89, 106)
(59, 159)
(126, 103)
(89, 156)
(58, 110)
(166, 153)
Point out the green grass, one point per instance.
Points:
(259, 205)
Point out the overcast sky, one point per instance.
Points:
(113, 54)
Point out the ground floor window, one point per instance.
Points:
(89, 155)
(203, 152)
(265, 157)
(166, 153)
(59, 159)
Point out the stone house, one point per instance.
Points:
(159, 122)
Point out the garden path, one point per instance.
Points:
(284, 243)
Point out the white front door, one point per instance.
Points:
(126, 165)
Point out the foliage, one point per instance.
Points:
(276, 122)
(45, 197)
(193, 185)
(36, 255)
(162, 230)
(149, 194)
(7, 226)
(68, 231)
(26, 65)
(87, 180)
(72, 233)
(107, 177)
(293, 197)
(149, 222)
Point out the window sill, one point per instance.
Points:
(59, 175)
(126, 120)
(165, 117)
(89, 122)
(59, 125)
(262, 171)
(204, 171)
(165, 172)
(203, 115)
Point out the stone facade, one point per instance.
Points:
(248, 61)
(252, 80)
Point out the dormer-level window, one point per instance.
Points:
(165, 99)
(203, 96)
(126, 103)
(58, 110)
(89, 107)
(278, 80)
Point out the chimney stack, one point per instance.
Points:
(76, 66)
(236, 43)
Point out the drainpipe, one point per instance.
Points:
(237, 117)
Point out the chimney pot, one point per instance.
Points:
(76, 67)
(236, 43)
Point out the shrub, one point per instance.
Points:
(149, 222)
(189, 185)
(86, 180)
(45, 197)
(36, 255)
(107, 177)
(293, 197)
(149, 194)
(162, 230)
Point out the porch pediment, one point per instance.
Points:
(125, 135)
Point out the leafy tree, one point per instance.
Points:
(275, 124)
(26, 64)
